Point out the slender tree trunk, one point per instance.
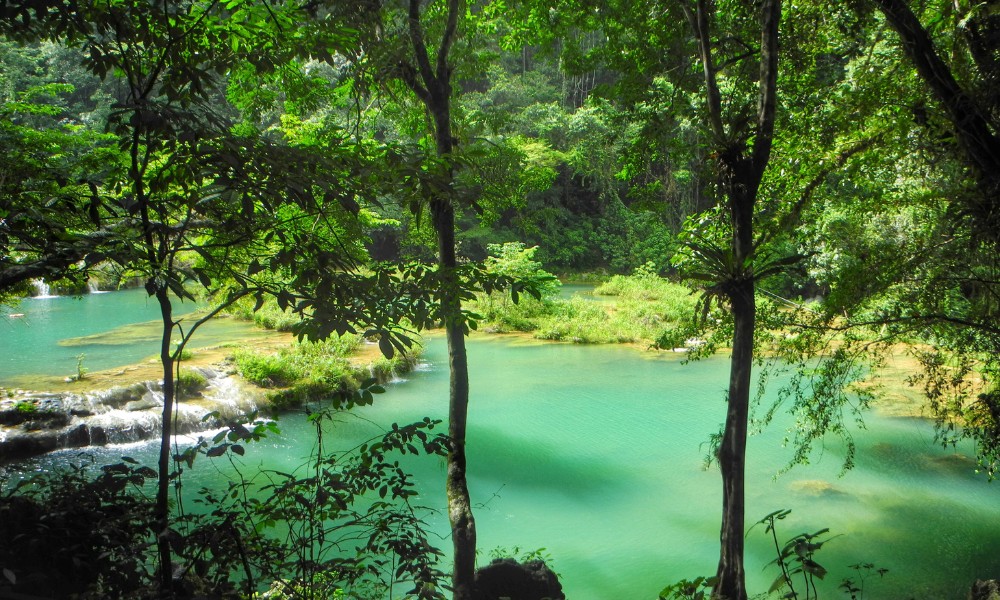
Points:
(463, 523)
(741, 182)
(740, 177)
(431, 82)
(731, 578)
(163, 479)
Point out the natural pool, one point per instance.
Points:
(43, 337)
(596, 455)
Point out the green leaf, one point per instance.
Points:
(778, 583)
(813, 568)
(385, 345)
(217, 451)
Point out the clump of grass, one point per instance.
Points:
(312, 371)
(504, 315)
(189, 383)
(644, 309)
(268, 316)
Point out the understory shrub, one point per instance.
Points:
(268, 316)
(69, 534)
(342, 525)
(189, 383)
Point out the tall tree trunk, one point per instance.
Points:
(731, 577)
(742, 184)
(740, 176)
(163, 464)
(432, 84)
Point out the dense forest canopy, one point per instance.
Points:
(825, 177)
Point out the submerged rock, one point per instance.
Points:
(814, 487)
(987, 589)
(507, 578)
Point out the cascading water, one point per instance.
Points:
(42, 289)
(33, 423)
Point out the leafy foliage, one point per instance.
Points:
(341, 523)
(71, 533)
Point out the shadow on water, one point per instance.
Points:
(504, 459)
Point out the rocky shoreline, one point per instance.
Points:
(33, 423)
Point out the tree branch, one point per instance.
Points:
(972, 124)
(700, 27)
(447, 39)
(791, 219)
(767, 101)
(420, 46)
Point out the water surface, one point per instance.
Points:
(595, 453)
(45, 336)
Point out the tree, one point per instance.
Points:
(945, 293)
(740, 169)
(193, 200)
(427, 72)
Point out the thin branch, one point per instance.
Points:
(767, 107)
(791, 219)
(420, 46)
(700, 27)
(916, 319)
(447, 39)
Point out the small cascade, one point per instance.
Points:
(42, 289)
(35, 423)
(230, 397)
(92, 288)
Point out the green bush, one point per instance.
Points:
(644, 309)
(268, 316)
(189, 383)
(266, 370)
(307, 371)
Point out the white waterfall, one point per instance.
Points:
(42, 289)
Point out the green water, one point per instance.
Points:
(595, 454)
(44, 336)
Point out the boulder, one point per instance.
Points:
(148, 400)
(98, 436)
(117, 397)
(75, 437)
(507, 578)
(23, 445)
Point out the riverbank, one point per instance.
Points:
(124, 404)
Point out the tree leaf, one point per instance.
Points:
(385, 345)
(217, 451)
